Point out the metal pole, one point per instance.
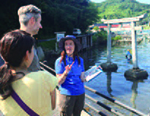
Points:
(87, 112)
(49, 68)
(105, 106)
(99, 112)
(117, 102)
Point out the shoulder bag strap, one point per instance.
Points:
(23, 105)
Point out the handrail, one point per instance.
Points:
(87, 112)
(116, 102)
(105, 106)
(47, 67)
(99, 112)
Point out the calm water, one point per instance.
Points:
(135, 94)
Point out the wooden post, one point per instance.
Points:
(91, 40)
(56, 47)
(85, 41)
(134, 45)
(109, 44)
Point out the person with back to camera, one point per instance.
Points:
(70, 72)
(128, 55)
(23, 93)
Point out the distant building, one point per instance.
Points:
(104, 26)
(125, 25)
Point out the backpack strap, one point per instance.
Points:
(28, 110)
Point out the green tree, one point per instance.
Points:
(96, 28)
(57, 15)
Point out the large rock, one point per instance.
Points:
(111, 67)
(136, 74)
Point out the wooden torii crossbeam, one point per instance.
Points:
(133, 29)
(124, 20)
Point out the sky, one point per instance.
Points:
(141, 1)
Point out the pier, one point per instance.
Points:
(85, 40)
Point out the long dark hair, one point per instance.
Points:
(13, 47)
(75, 54)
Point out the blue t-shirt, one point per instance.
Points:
(73, 84)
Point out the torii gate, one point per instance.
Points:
(133, 29)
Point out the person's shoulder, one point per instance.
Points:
(35, 76)
(43, 72)
(58, 59)
(40, 74)
(47, 73)
(42, 78)
(35, 73)
(48, 77)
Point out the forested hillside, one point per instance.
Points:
(113, 9)
(57, 15)
(64, 15)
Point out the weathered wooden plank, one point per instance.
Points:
(123, 20)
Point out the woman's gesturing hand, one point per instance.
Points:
(68, 68)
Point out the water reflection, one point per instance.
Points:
(134, 89)
(134, 94)
(109, 83)
(129, 61)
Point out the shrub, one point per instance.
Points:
(48, 44)
(100, 37)
(118, 37)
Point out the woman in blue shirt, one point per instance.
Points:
(70, 72)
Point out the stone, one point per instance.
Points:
(112, 67)
(134, 74)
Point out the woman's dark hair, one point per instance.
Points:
(13, 47)
(75, 54)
